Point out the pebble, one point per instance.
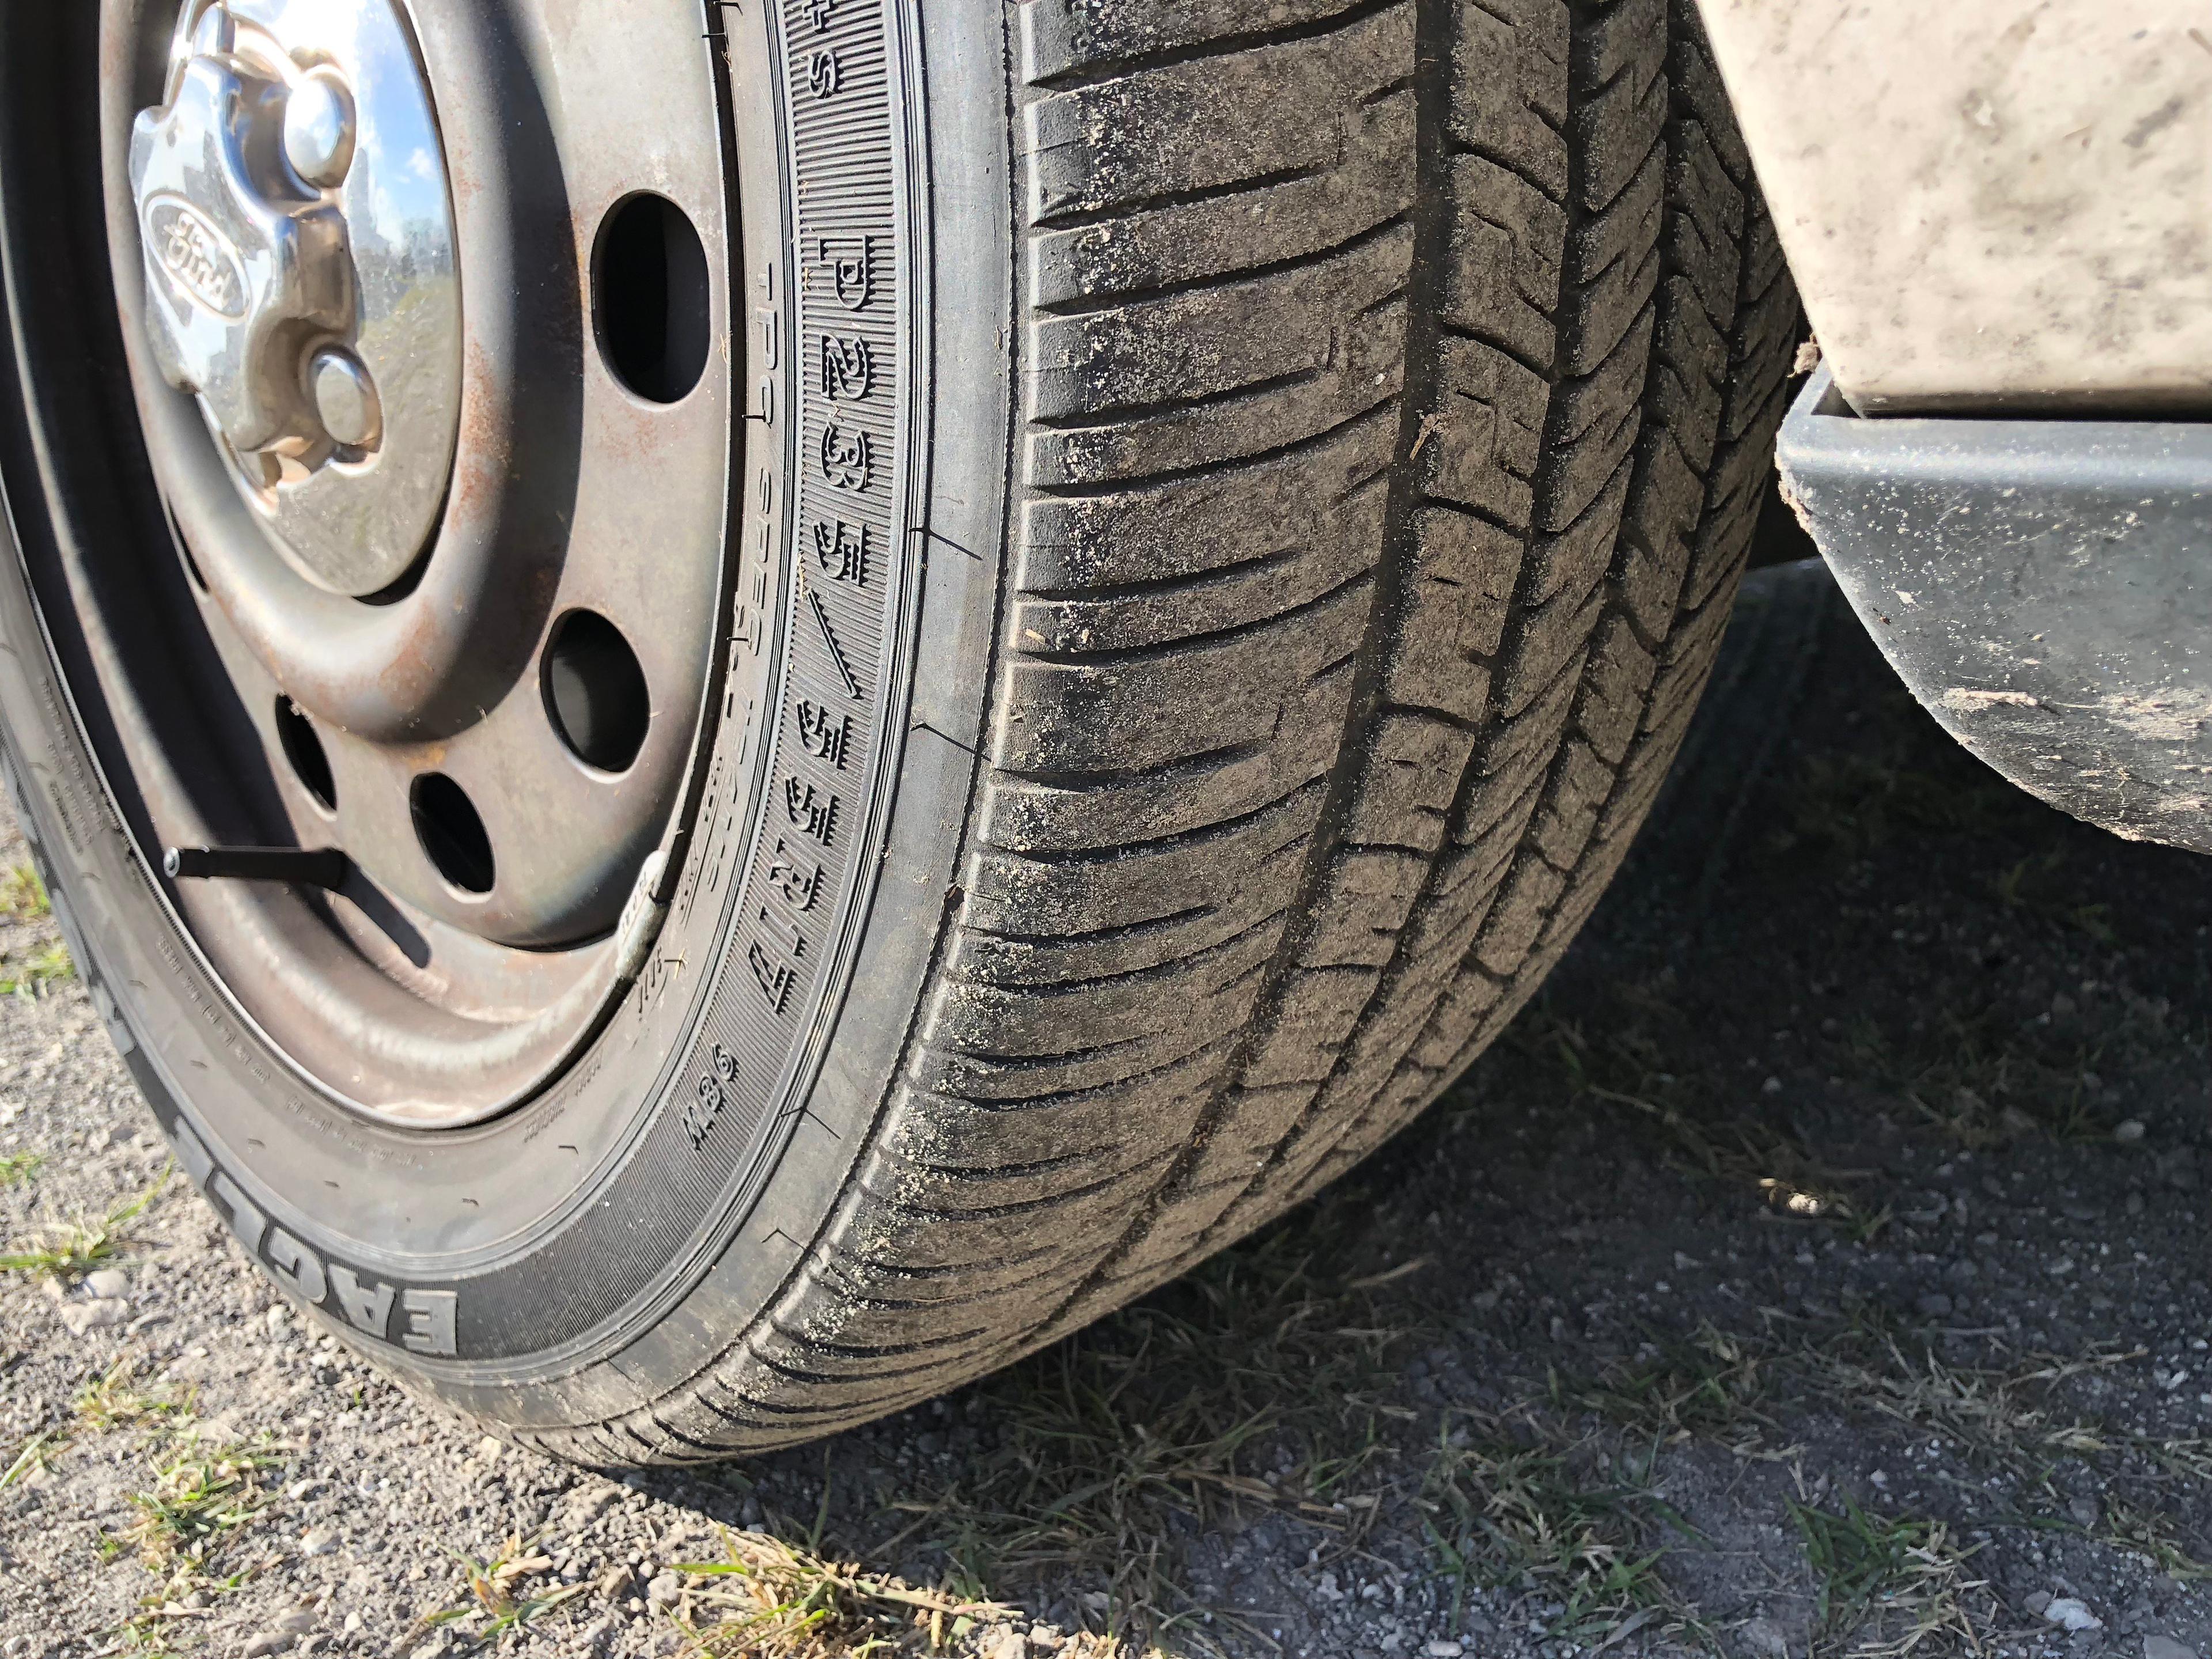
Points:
(1766, 1637)
(2072, 1614)
(318, 1541)
(2127, 1132)
(664, 1590)
(2165, 1647)
(298, 1622)
(108, 1283)
(98, 1313)
(1441, 1649)
(270, 1641)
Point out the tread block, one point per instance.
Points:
(1183, 348)
(1488, 425)
(1266, 224)
(1363, 906)
(1162, 707)
(1619, 64)
(1501, 274)
(1210, 123)
(1062, 35)
(1361, 366)
(1012, 897)
(1462, 579)
(1593, 422)
(1410, 775)
(1615, 261)
(1509, 74)
(1237, 516)
(1332, 544)
(1518, 916)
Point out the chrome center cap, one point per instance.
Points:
(292, 203)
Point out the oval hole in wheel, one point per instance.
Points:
(304, 749)
(452, 834)
(595, 692)
(650, 298)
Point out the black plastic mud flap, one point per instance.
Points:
(2045, 587)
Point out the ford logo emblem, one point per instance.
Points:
(197, 258)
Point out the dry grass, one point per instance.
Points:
(2000, 1413)
(767, 1599)
(1258, 1383)
(1889, 1584)
(495, 1601)
(202, 1495)
(22, 895)
(1506, 1504)
(67, 1251)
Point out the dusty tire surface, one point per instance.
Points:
(1337, 429)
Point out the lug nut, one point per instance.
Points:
(346, 399)
(318, 129)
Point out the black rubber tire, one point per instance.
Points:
(1338, 429)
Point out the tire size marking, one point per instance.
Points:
(839, 338)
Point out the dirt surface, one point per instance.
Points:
(1818, 1267)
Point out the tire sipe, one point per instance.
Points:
(1192, 534)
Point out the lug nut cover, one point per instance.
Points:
(346, 399)
(319, 130)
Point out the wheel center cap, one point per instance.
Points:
(292, 201)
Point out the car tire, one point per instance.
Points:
(1313, 445)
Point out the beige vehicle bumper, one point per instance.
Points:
(1989, 204)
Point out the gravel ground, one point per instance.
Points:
(1816, 1268)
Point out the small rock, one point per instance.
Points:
(615, 1583)
(2165, 1647)
(2036, 1601)
(107, 1282)
(2083, 1510)
(665, 1590)
(490, 1448)
(352, 1624)
(318, 1541)
(1003, 1643)
(101, 1311)
(2127, 1132)
(1766, 1637)
(270, 1641)
(2070, 1613)
(2061, 1268)
(1440, 1648)
(298, 1622)
(1934, 1305)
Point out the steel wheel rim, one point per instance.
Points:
(429, 993)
